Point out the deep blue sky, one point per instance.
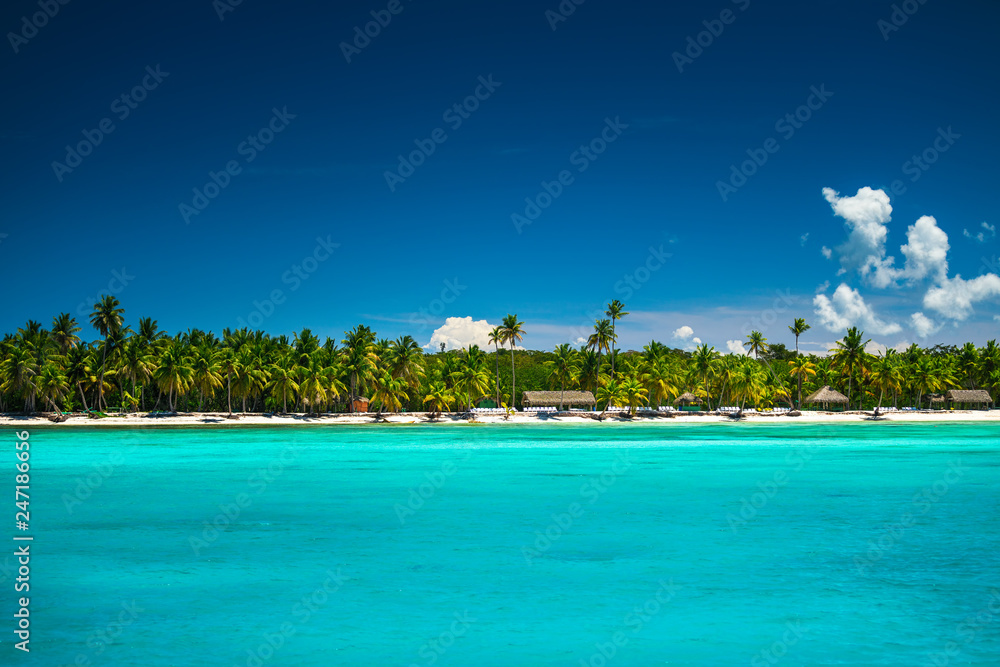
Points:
(324, 174)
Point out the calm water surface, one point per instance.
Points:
(669, 544)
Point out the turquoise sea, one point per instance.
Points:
(645, 544)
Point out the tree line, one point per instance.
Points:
(145, 368)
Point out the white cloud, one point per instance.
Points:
(824, 286)
(461, 332)
(926, 253)
(954, 296)
(847, 308)
(826, 252)
(923, 325)
(683, 333)
(981, 236)
(804, 238)
(736, 347)
(866, 215)
(696, 340)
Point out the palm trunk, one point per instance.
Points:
(496, 358)
(612, 348)
(229, 392)
(83, 396)
(513, 377)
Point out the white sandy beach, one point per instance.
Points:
(456, 419)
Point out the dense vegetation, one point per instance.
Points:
(147, 369)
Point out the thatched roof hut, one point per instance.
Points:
(826, 396)
(968, 396)
(556, 398)
(686, 398)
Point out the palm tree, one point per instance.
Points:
(660, 375)
(63, 334)
(472, 379)
(107, 318)
(601, 341)
(702, 363)
(798, 328)
(612, 393)
(886, 374)
(563, 368)
(756, 343)
(634, 393)
(801, 369)
(137, 362)
(206, 370)
(52, 384)
(850, 357)
(496, 339)
(616, 311)
(282, 374)
(513, 332)
(387, 392)
(173, 374)
(18, 373)
(439, 397)
(359, 357)
(79, 370)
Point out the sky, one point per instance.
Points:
(426, 168)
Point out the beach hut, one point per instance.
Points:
(536, 399)
(826, 396)
(359, 404)
(687, 398)
(935, 400)
(971, 396)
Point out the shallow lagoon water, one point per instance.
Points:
(645, 544)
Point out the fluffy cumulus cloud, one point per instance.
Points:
(923, 325)
(866, 215)
(827, 252)
(954, 296)
(847, 308)
(736, 347)
(989, 232)
(461, 332)
(685, 335)
(926, 253)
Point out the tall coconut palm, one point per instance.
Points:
(206, 372)
(173, 373)
(439, 398)
(388, 391)
(850, 357)
(496, 339)
(660, 376)
(359, 357)
(52, 384)
(513, 332)
(107, 318)
(63, 334)
(755, 343)
(801, 369)
(137, 363)
(18, 373)
(616, 311)
(635, 394)
(703, 361)
(798, 328)
(471, 379)
(886, 374)
(601, 341)
(563, 369)
(613, 394)
(80, 370)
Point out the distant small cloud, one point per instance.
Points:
(736, 347)
(824, 286)
(989, 232)
(803, 239)
(923, 325)
(683, 333)
(826, 252)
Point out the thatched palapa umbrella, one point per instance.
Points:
(826, 396)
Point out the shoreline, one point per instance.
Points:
(215, 419)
